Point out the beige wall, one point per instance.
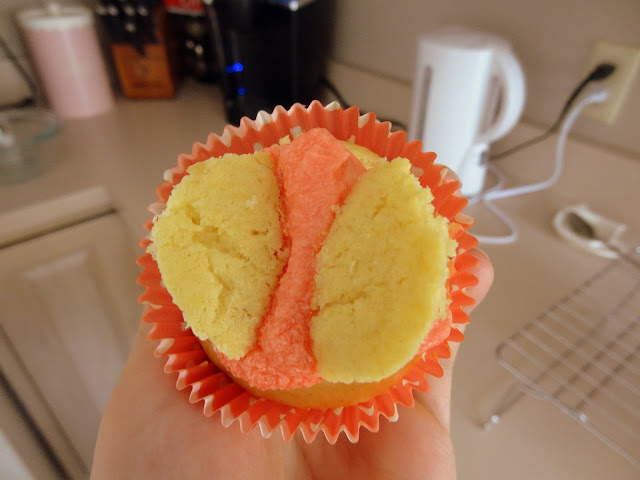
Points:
(553, 39)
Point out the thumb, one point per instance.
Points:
(438, 399)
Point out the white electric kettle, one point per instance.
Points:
(468, 91)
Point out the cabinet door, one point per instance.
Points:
(68, 308)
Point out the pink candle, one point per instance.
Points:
(64, 48)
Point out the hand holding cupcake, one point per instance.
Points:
(304, 272)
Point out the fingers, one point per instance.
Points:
(438, 399)
(484, 272)
(451, 175)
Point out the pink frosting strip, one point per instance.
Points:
(315, 173)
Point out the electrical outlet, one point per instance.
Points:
(626, 58)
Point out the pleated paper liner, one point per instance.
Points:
(182, 350)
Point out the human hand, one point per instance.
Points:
(149, 430)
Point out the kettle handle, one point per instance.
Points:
(513, 86)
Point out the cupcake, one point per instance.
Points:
(304, 271)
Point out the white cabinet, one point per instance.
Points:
(68, 313)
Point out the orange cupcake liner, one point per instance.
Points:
(212, 386)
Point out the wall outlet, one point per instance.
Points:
(626, 58)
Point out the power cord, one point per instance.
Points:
(564, 122)
(497, 192)
(599, 73)
(396, 124)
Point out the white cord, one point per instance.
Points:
(497, 192)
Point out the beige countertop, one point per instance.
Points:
(535, 439)
(116, 160)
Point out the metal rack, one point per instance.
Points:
(583, 355)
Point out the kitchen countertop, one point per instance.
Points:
(115, 161)
(534, 439)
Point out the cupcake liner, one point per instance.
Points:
(214, 388)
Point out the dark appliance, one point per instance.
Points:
(269, 52)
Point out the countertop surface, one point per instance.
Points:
(117, 159)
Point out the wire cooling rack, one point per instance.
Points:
(583, 355)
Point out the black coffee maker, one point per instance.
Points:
(269, 52)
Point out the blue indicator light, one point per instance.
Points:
(241, 91)
(235, 67)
